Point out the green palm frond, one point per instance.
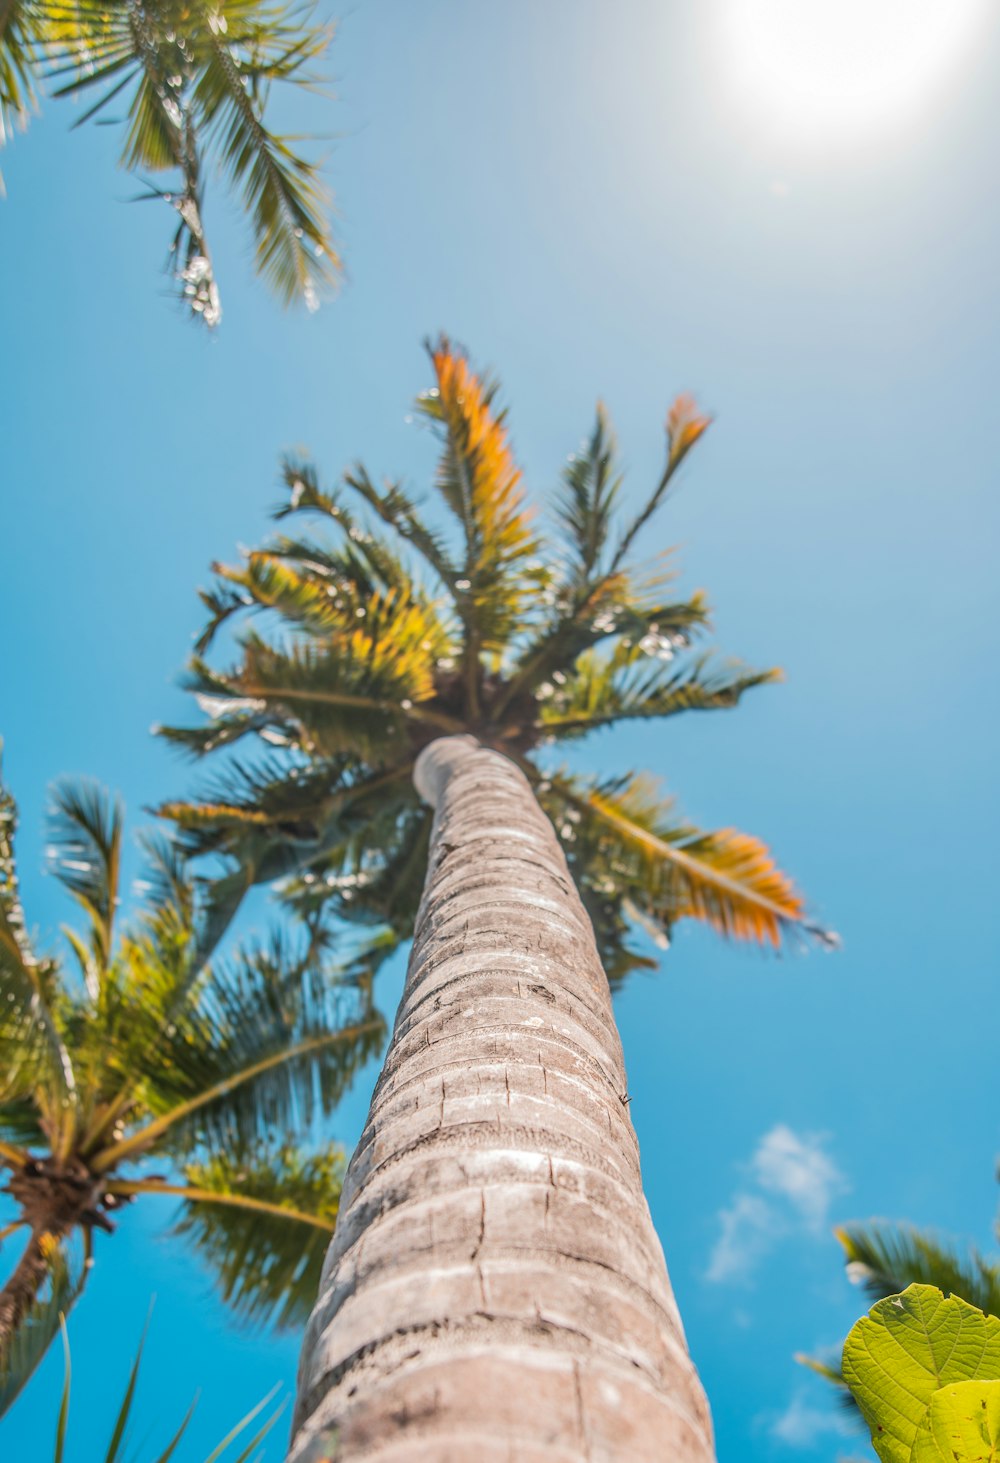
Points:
(591, 486)
(374, 875)
(22, 25)
(364, 562)
(615, 608)
(121, 1432)
(314, 818)
(267, 1266)
(886, 1258)
(85, 832)
(401, 513)
(265, 1039)
(637, 682)
(364, 668)
(261, 43)
(196, 80)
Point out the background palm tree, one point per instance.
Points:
(193, 80)
(496, 1245)
(154, 1053)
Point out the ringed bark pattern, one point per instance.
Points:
(495, 1289)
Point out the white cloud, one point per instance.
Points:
(747, 1233)
(799, 1170)
(802, 1425)
(792, 1183)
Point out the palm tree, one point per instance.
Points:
(496, 1246)
(194, 78)
(155, 1054)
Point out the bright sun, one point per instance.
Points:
(841, 68)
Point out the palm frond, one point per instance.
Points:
(685, 425)
(264, 1040)
(365, 548)
(727, 879)
(481, 485)
(278, 822)
(618, 607)
(886, 1258)
(149, 56)
(33, 1054)
(633, 682)
(372, 877)
(601, 597)
(591, 485)
(121, 1431)
(85, 832)
(197, 79)
(22, 28)
(401, 513)
(281, 189)
(267, 1266)
(352, 690)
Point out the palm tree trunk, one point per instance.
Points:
(22, 1287)
(495, 1289)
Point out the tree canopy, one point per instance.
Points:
(152, 1050)
(355, 649)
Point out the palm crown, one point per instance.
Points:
(194, 78)
(155, 1053)
(397, 632)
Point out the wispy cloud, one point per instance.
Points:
(747, 1233)
(791, 1183)
(803, 1425)
(800, 1171)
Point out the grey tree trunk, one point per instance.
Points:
(495, 1289)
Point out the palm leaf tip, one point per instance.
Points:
(726, 879)
(685, 424)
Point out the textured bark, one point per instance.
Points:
(21, 1290)
(495, 1289)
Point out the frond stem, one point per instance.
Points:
(128, 1187)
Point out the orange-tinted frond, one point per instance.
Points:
(685, 424)
(725, 878)
(478, 476)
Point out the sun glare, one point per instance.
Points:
(840, 69)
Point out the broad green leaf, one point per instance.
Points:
(906, 1349)
(962, 1425)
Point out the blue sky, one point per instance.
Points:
(583, 194)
